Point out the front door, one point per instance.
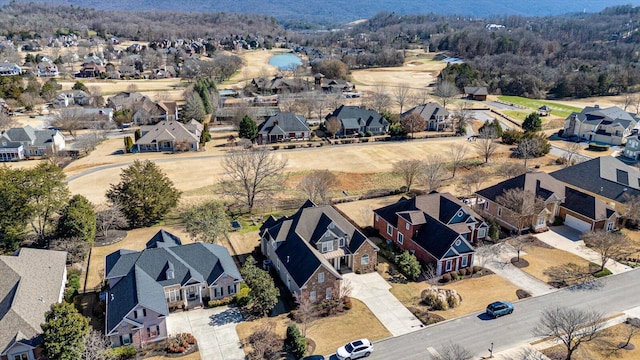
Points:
(192, 292)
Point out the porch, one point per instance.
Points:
(340, 260)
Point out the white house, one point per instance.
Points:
(609, 125)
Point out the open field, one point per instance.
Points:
(542, 258)
(558, 109)
(601, 348)
(328, 333)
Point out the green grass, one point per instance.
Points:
(516, 114)
(556, 109)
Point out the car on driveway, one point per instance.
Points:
(499, 308)
(313, 357)
(355, 349)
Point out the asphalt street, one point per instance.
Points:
(610, 296)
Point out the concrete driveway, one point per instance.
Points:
(215, 330)
(568, 239)
(373, 291)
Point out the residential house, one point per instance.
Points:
(309, 249)
(46, 69)
(165, 72)
(478, 93)
(145, 285)
(90, 69)
(124, 100)
(436, 116)
(258, 113)
(66, 98)
(9, 69)
(332, 85)
(284, 126)
(437, 228)
(356, 119)
(148, 111)
(575, 208)
(605, 177)
(632, 147)
(609, 125)
(19, 143)
(170, 136)
(32, 280)
(278, 85)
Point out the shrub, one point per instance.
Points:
(454, 275)
(560, 132)
(122, 352)
(602, 273)
(597, 147)
(511, 137)
(446, 278)
(242, 297)
(73, 284)
(453, 299)
(462, 272)
(296, 342)
(220, 302)
(347, 303)
(409, 265)
(477, 269)
(435, 299)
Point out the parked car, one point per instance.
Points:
(355, 349)
(313, 357)
(499, 308)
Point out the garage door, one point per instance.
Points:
(577, 224)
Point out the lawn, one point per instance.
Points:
(361, 211)
(556, 109)
(596, 350)
(542, 258)
(328, 333)
(634, 236)
(194, 356)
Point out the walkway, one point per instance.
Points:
(373, 291)
(215, 330)
(502, 266)
(568, 239)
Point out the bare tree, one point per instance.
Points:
(631, 209)
(110, 216)
(571, 327)
(524, 206)
(332, 125)
(265, 342)
(457, 153)
(410, 170)
(632, 328)
(413, 123)
(401, 94)
(571, 154)
(317, 185)
(486, 144)
(445, 91)
(567, 274)
(628, 100)
(252, 174)
(132, 88)
(68, 119)
(462, 117)
(453, 351)
(379, 100)
(96, 347)
(486, 254)
(434, 172)
(520, 243)
(86, 142)
(306, 312)
(510, 169)
(527, 148)
(420, 96)
(6, 121)
(608, 245)
(473, 181)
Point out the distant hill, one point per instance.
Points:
(342, 11)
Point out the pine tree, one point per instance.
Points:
(194, 108)
(64, 332)
(247, 129)
(78, 220)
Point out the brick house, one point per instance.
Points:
(436, 228)
(575, 208)
(435, 116)
(145, 285)
(310, 248)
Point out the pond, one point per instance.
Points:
(286, 61)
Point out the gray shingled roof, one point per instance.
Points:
(283, 123)
(31, 281)
(356, 116)
(427, 111)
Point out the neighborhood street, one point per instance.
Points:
(610, 295)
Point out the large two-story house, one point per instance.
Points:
(437, 228)
(309, 248)
(356, 119)
(31, 281)
(607, 125)
(19, 143)
(145, 285)
(576, 208)
(435, 115)
(284, 126)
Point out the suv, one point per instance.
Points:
(499, 308)
(355, 349)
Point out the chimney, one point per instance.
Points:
(596, 106)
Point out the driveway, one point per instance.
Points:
(215, 330)
(568, 239)
(373, 291)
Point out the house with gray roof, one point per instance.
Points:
(478, 93)
(284, 126)
(311, 248)
(66, 98)
(357, 119)
(437, 228)
(606, 125)
(32, 280)
(436, 116)
(9, 69)
(170, 136)
(20, 143)
(144, 286)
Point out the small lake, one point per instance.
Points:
(286, 61)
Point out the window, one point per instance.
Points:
(217, 292)
(377, 216)
(482, 232)
(328, 294)
(486, 205)
(321, 277)
(609, 226)
(341, 242)
(125, 339)
(458, 242)
(312, 296)
(327, 246)
(364, 260)
(541, 220)
(23, 356)
(406, 226)
(500, 211)
(389, 230)
(463, 262)
(447, 266)
(460, 213)
(173, 295)
(139, 313)
(231, 289)
(153, 331)
(400, 238)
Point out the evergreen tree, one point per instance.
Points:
(248, 129)
(145, 193)
(408, 264)
(15, 215)
(205, 136)
(263, 294)
(206, 222)
(78, 220)
(193, 108)
(128, 144)
(138, 134)
(64, 332)
(79, 85)
(532, 123)
(47, 193)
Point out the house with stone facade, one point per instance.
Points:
(437, 228)
(606, 125)
(356, 120)
(144, 286)
(309, 250)
(436, 116)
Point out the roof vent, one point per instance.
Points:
(112, 297)
(287, 259)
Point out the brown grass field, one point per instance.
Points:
(542, 258)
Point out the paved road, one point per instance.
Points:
(611, 295)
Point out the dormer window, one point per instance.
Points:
(327, 246)
(342, 242)
(170, 273)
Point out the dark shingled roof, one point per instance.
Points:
(283, 123)
(435, 237)
(163, 239)
(356, 116)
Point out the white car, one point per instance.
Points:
(355, 349)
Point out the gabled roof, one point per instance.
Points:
(30, 283)
(23, 134)
(428, 111)
(166, 130)
(356, 116)
(435, 237)
(594, 115)
(283, 123)
(163, 238)
(605, 176)
(476, 90)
